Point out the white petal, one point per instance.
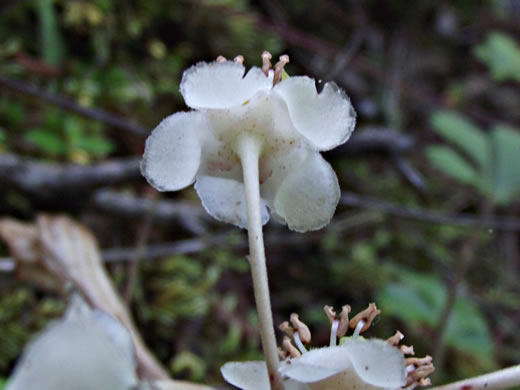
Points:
(295, 385)
(221, 84)
(308, 196)
(377, 362)
(73, 354)
(326, 120)
(225, 200)
(172, 154)
(246, 375)
(317, 364)
(78, 311)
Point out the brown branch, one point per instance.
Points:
(66, 103)
(374, 139)
(191, 216)
(491, 222)
(49, 180)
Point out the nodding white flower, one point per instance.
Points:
(357, 363)
(290, 120)
(87, 349)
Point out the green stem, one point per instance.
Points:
(248, 149)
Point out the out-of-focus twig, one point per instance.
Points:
(133, 267)
(490, 222)
(370, 139)
(66, 103)
(191, 216)
(408, 171)
(48, 180)
(462, 266)
(345, 55)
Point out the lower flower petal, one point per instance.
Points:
(225, 200)
(247, 375)
(172, 154)
(377, 362)
(326, 119)
(317, 364)
(76, 353)
(307, 198)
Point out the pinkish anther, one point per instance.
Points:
(395, 339)
(343, 320)
(221, 59)
(286, 328)
(367, 316)
(301, 328)
(278, 68)
(407, 350)
(266, 62)
(291, 349)
(239, 59)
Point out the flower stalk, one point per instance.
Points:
(248, 148)
(502, 379)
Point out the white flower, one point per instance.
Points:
(83, 351)
(290, 119)
(358, 363)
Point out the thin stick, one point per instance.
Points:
(503, 379)
(462, 267)
(140, 248)
(248, 149)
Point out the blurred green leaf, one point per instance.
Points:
(468, 137)
(506, 169)
(51, 41)
(187, 361)
(452, 164)
(416, 299)
(97, 146)
(231, 343)
(48, 142)
(419, 299)
(467, 329)
(501, 53)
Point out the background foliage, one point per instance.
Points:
(444, 75)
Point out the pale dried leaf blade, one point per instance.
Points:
(23, 242)
(21, 238)
(68, 249)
